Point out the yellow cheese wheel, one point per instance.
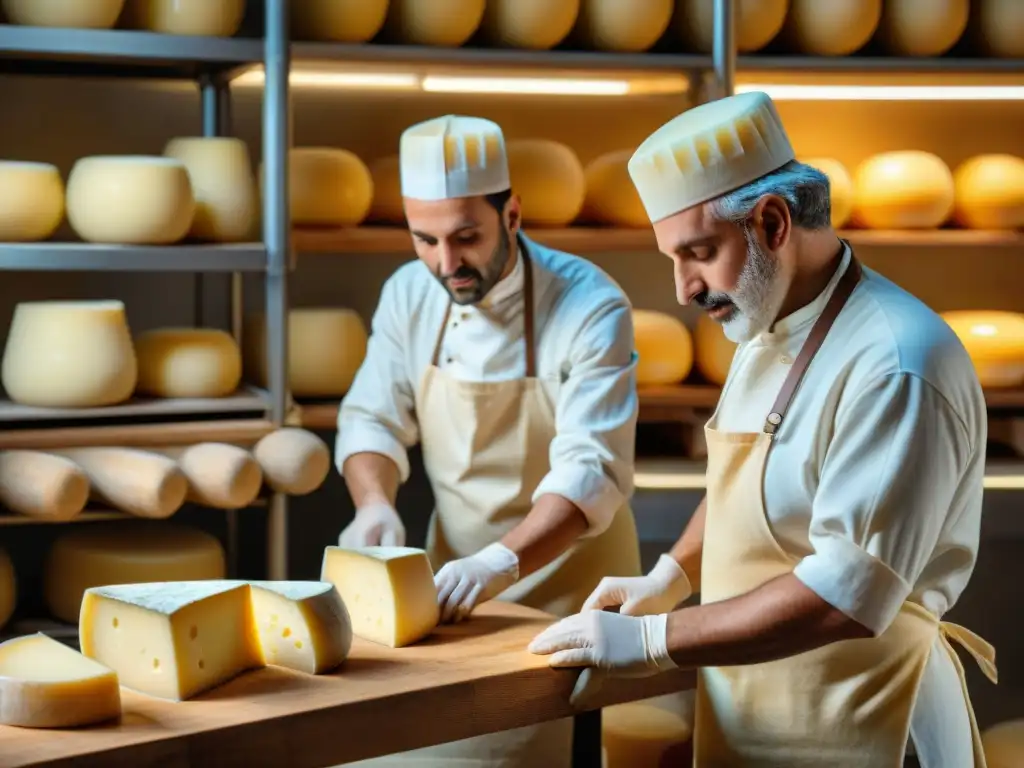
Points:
(328, 187)
(187, 362)
(223, 184)
(534, 24)
(998, 27)
(922, 27)
(627, 26)
(1003, 744)
(548, 177)
(713, 350)
(185, 17)
(326, 346)
(840, 187)
(831, 27)
(439, 22)
(8, 588)
(642, 735)
(338, 21)
(81, 14)
(294, 461)
(757, 22)
(69, 354)
(663, 346)
(902, 190)
(31, 201)
(990, 192)
(995, 342)
(129, 199)
(611, 197)
(387, 205)
(139, 552)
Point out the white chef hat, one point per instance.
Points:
(453, 156)
(708, 151)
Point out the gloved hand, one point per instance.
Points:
(658, 592)
(609, 644)
(375, 524)
(465, 583)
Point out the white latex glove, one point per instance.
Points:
(465, 583)
(607, 644)
(665, 587)
(375, 524)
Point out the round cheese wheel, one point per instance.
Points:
(922, 27)
(31, 201)
(328, 187)
(223, 184)
(326, 346)
(81, 14)
(998, 27)
(1003, 744)
(440, 22)
(756, 22)
(627, 26)
(69, 354)
(831, 27)
(611, 197)
(294, 461)
(535, 24)
(338, 21)
(139, 552)
(663, 346)
(641, 735)
(8, 588)
(995, 342)
(713, 350)
(990, 192)
(135, 200)
(185, 17)
(187, 362)
(548, 177)
(840, 187)
(387, 205)
(902, 190)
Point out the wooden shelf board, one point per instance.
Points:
(244, 432)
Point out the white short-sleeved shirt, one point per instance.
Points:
(875, 478)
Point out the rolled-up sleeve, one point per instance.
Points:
(892, 472)
(591, 456)
(378, 413)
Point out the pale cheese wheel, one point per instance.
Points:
(41, 485)
(756, 22)
(1003, 744)
(611, 198)
(223, 184)
(101, 555)
(626, 26)
(328, 187)
(840, 185)
(998, 27)
(831, 27)
(294, 461)
(221, 18)
(642, 735)
(31, 201)
(326, 346)
(990, 192)
(337, 21)
(663, 346)
(713, 350)
(128, 199)
(903, 190)
(187, 362)
(79, 14)
(922, 27)
(8, 588)
(447, 23)
(995, 342)
(387, 206)
(69, 354)
(548, 177)
(533, 24)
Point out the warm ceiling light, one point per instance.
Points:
(328, 79)
(887, 92)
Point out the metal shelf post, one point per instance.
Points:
(723, 52)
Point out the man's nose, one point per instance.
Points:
(448, 259)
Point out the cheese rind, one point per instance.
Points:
(611, 197)
(327, 187)
(664, 348)
(994, 340)
(337, 21)
(830, 27)
(757, 22)
(187, 362)
(549, 179)
(625, 26)
(990, 192)
(713, 350)
(903, 190)
(45, 684)
(31, 201)
(840, 187)
(448, 23)
(643, 735)
(185, 17)
(81, 14)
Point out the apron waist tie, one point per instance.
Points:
(982, 651)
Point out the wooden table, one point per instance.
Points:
(465, 680)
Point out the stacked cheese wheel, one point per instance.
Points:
(995, 342)
(667, 350)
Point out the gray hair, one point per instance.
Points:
(805, 190)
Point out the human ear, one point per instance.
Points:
(771, 216)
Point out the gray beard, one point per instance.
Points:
(758, 296)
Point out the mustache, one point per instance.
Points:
(462, 273)
(709, 301)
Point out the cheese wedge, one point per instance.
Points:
(45, 684)
(389, 592)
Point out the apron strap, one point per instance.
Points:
(982, 651)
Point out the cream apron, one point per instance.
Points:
(485, 450)
(846, 705)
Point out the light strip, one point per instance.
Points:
(534, 86)
(313, 79)
(887, 92)
(693, 481)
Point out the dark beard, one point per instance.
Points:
(483, 281)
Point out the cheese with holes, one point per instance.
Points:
(187, 362)
(922, 27)
(713, 350)
(389, 592)
(626, 26)
(80, 14)
(534, 24)
(328, 187)
(995, 342)
(69, 354)
(46, 684)
(830, 27)
(548, 177)
(902, 190)
(337, 21)
(387, 207)
(840, 187)
(611, 199)
(998, 28)
(989, 192)
(221, 18)
(302, 625)
(757, 22)
(102, 554)
(642, 735)
(31, 201)
(1003, 744)
(172, 640)
(448, 23)
(8, 588)
(664, 348)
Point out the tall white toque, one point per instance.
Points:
(453, 156)
(708, 151)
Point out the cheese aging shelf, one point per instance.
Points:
(74, 256)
